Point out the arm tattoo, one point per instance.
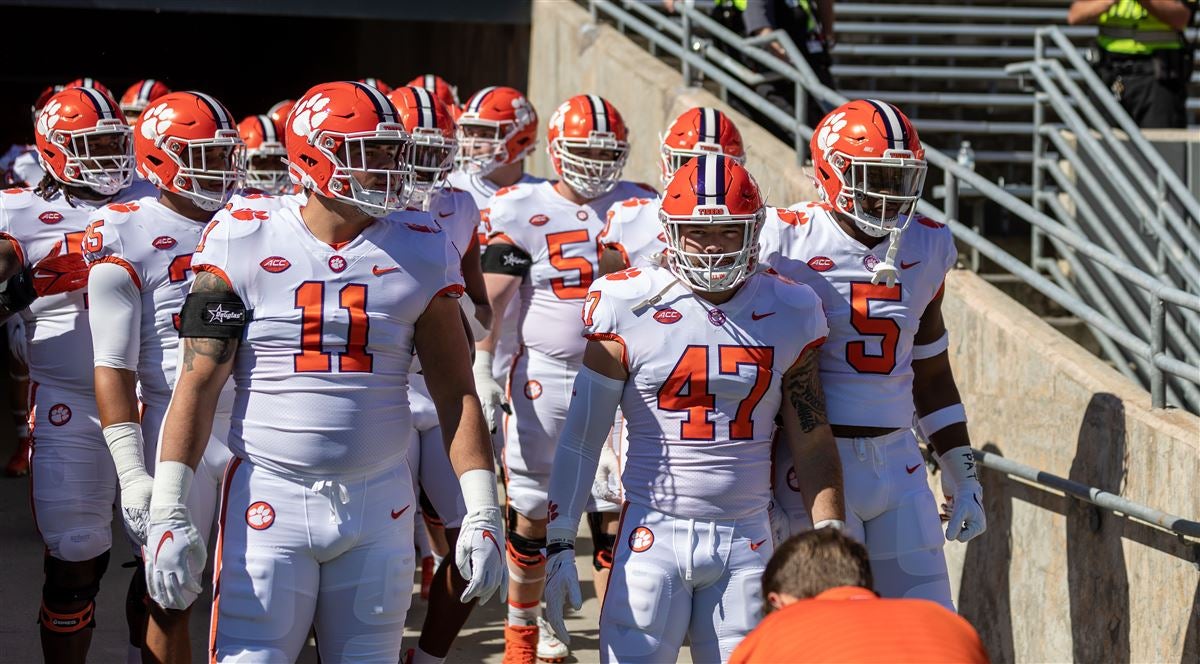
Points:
(805, 393)
(219, 350)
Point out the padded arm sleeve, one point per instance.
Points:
(116, 333)
(589, 420)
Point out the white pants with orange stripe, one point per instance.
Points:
(674, 577)
(539, 390)
(73, 482)
(889, 508)
(297, 552)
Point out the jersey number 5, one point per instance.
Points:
(313, 358)
(686, 389)
(862, 294)
(554, 246)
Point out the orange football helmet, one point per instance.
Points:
(869, 165)
(440, 87)
(266, 156)
(279, 115)
(340, 132)
(187, 143)
(87, 82)
(699, 131)
(43, 97)
(587, 144)
(712, 190)
(433, 133)
(378, 84)
(498, 126)
(139, 95)
(83, 140)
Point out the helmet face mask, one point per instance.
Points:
(432, 160)
(715, 271)
(100, 158)
(483, 145)
(266, 169)
(880, 195)
(591, 167)
(210, 170)
(371, 170)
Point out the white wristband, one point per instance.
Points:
(172, 482)
(940, 419)
(124, 440)
(478, 489)
(482, 363)
(836, 524)
(933, 348)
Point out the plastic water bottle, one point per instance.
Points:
(966, 156)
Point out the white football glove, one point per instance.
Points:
(608, 476)
(479, 552)
(125, 444)
(967, 518)
(490, 393)
(562, 589)
(176, 561)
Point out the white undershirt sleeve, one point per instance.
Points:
(115, 305)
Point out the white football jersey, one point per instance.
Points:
(866, 365)
(704, 385)
(482, 190)
(48, 236)
(560, 238)
(635, 231)
(321, 374)
(457, 214)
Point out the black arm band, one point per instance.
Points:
(506, 259)
(213, 316)
(555, 547)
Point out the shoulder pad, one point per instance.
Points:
(633, 283)
(16, 198)
(237, 223)
(513, 192)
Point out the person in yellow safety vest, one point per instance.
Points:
(1144, 55)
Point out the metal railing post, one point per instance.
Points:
(801, 115)
(1158, 319)
(1038, 179)
(686, 41)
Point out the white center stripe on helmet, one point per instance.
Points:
(268, 129)
(143, 95)
(710, 167)
(479, 98)
(599, 114)
(895, 127)
(222, 115)
(430, 82)
(424, 108)
(100, 101)
(709, 125)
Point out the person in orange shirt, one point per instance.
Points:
(821, 609)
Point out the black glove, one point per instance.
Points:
(18, 292)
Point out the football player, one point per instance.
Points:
(140, 255)
(86, 147)
(633, 234)
(887, 350)
(701, 355)
(316, 314)
(139, 95)
(433, 133)
(543, 244)
(266, 170)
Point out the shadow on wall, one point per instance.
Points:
(1191, 642)
(1097, 577)
(987, 605)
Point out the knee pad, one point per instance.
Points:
(428, 512)
(602, 542)
(84, 544)
(67, 585)
(525, 551)
(633, 624)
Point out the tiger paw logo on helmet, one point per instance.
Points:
(523, 111)
(156, 121)
(49, 118)
(829, 131)
(559, 119)
(310, 114)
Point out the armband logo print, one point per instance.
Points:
(513, 259)
(219, 315)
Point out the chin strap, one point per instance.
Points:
(887, 269)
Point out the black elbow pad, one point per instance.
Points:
(213, 316)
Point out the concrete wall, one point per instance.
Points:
(1051, 580)
(569, 56)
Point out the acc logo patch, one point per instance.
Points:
(821, 263)
(539, 220)
(260, 515)
(641, 539)
(60, 414)
(337, 263)
(50, 217)
(164, 242)
(275, 264)
(533, 390)
(668, 316)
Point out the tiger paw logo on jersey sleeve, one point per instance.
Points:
(260, 515)
(828, 134)
(533, 390)
(310, 114)
(552, 510)
(641, 539)
(156, 121)
(49, 118)
(250, 214)
(60, 414)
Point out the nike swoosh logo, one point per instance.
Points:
(380, 271)
(396, 515)
(913, 469)
(905, 266)
(443, 215)
(754, 546)
(168, 536)
(756, 316)
(487, 535)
